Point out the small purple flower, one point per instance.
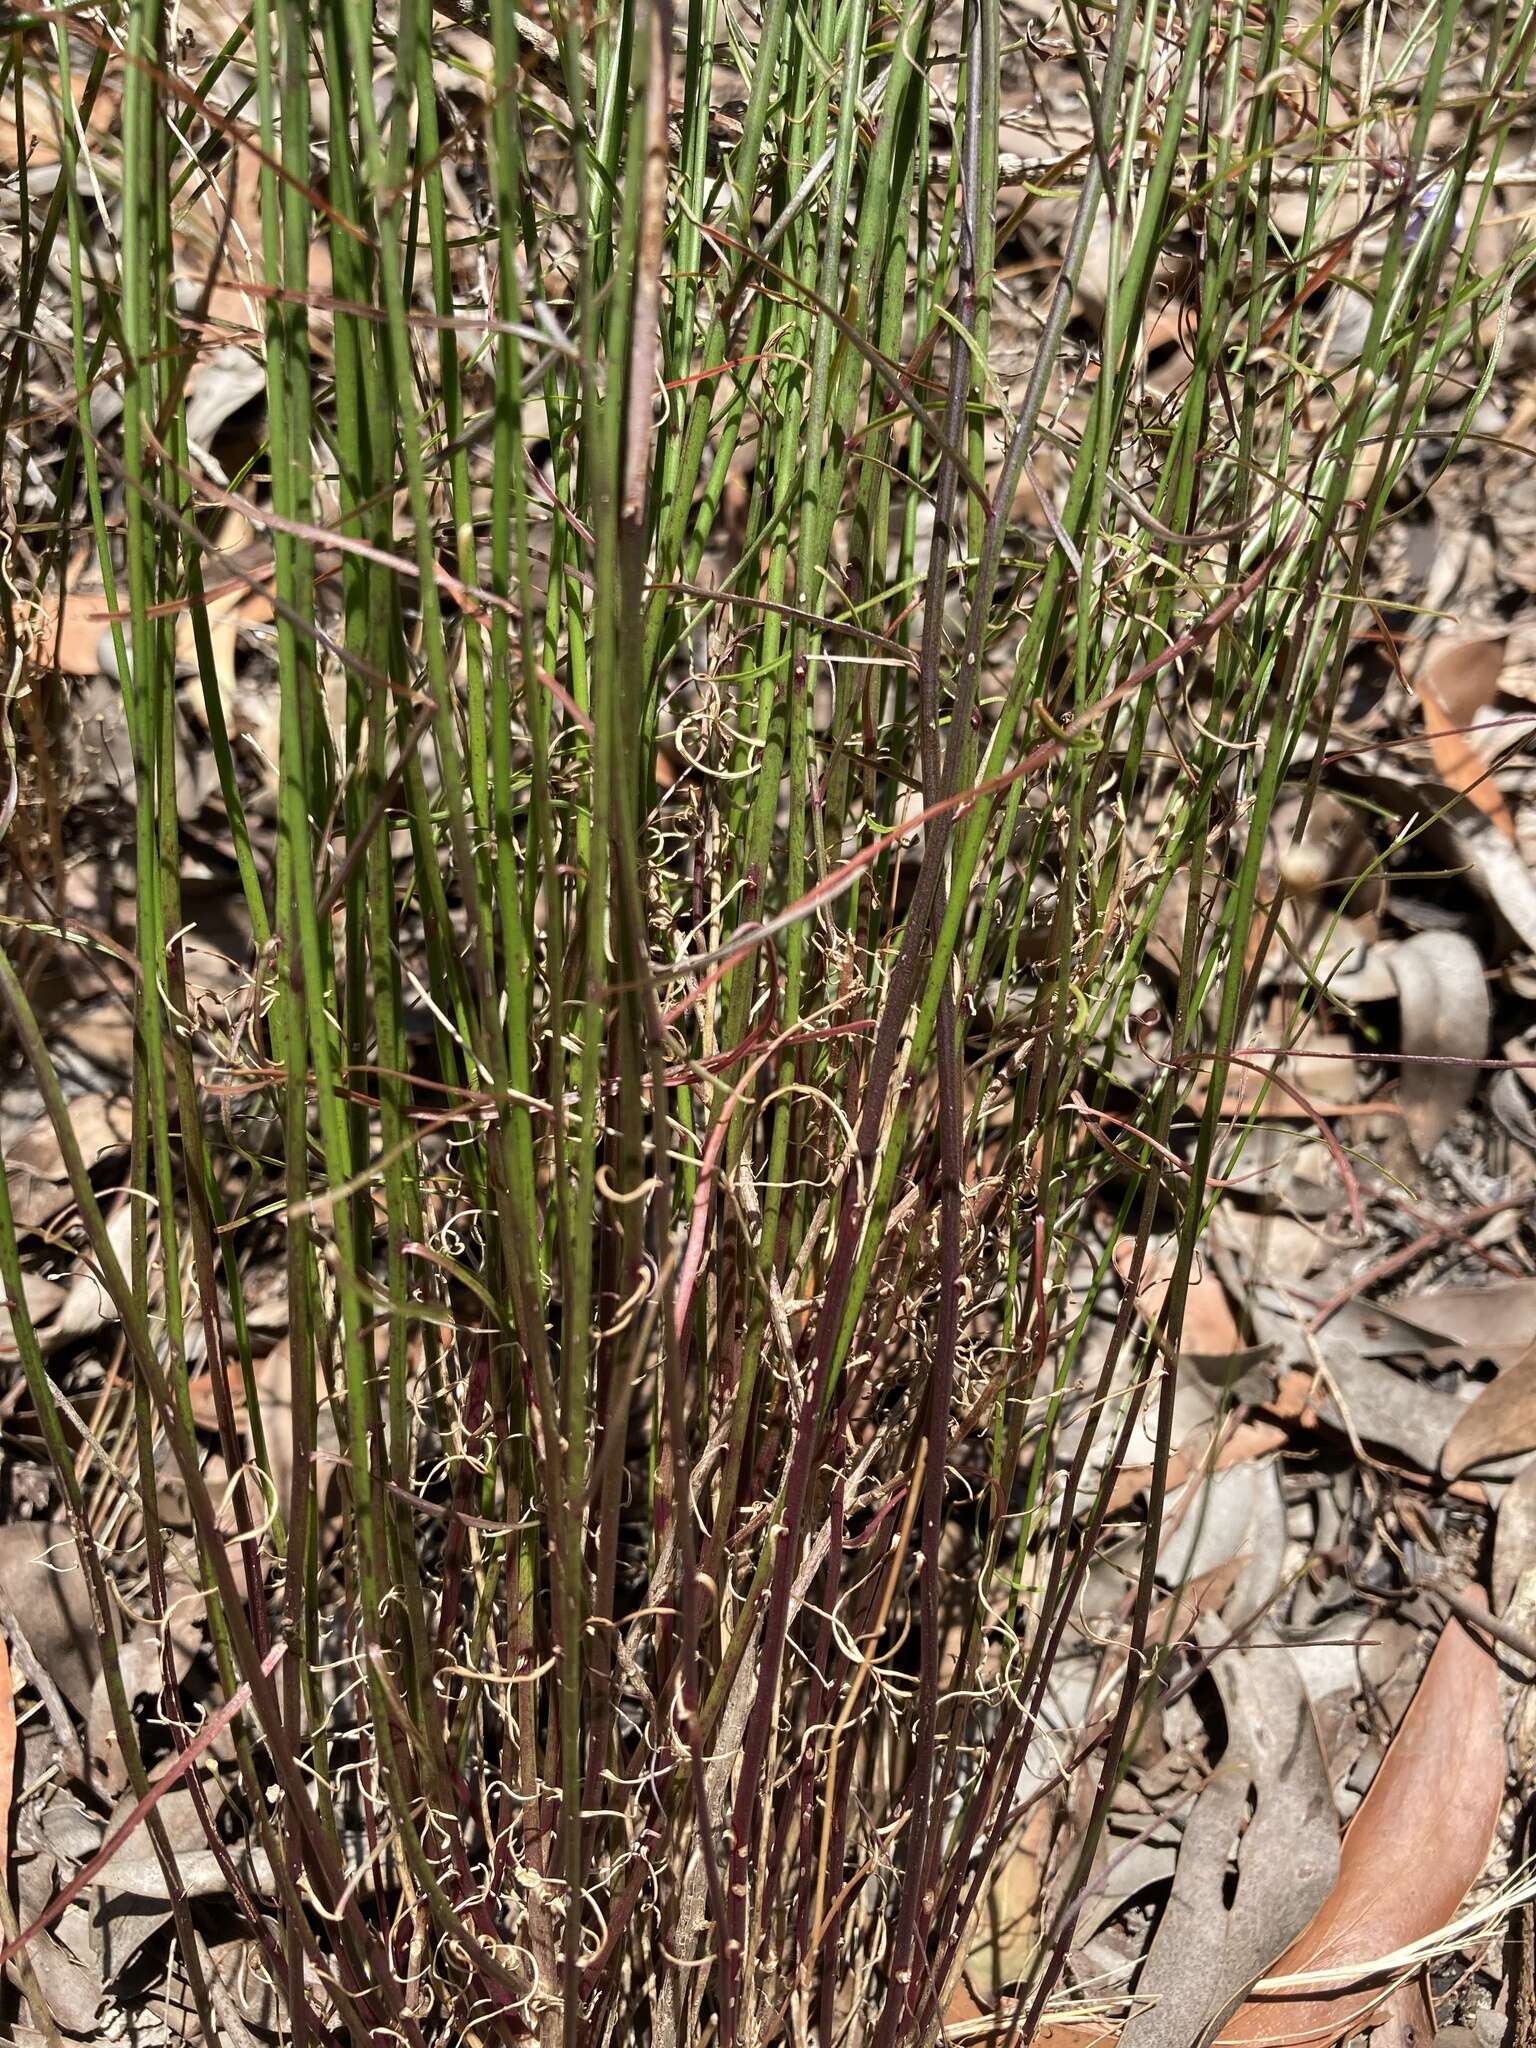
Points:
(1422, 210)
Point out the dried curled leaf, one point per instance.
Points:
(1209, 1328)
(1218, 1933)
(1443, 1000)
(1514, 1542)
(1456, 682)
(1414, 1850)
(1500, 1422)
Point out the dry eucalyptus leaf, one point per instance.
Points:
(67, 633)
(1500, 1422)
(70, 1832)
(1234, 1514)
(101, 1123)
(216, 389)
(139, 1662)
(1351, 967)
(1380, 1329)
(1412, 1853)
(136, 1869)
(1501, 874)
(131, 1902)
(1514, 1537)
(34, 1164)
(68, 1974)
(41, 117)
(217, 228)
(236, 1968)
(1494, 1322)
(1371, 1404)
(87, 1306)
(43, 1297)
(1464, 674)
(1354, 1652)
(1356, 1394)
(94, 1047)
(1209, 1327)
(1456, 682)
(1007, 1934)
(1236, 1444)
(1122, 1871)
(45, 1588)
(1443, 999)
(1217, 1936)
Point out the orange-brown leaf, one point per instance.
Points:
(1414, 1850)
(1452, 686)
(1498, 1424)
(1209, 1329)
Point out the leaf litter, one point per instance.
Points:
(1323, 1781)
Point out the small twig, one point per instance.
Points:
(1476, 1617)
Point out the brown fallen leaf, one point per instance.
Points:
(1499, 1423)
(1443, 1003)
(1008, 1932)
(41, 112)
(67, 632)
(203, 1400)
(1175, 1617)
(217, 232)
(1241, 1442)
(1414, 1850)
(1210, 1328)
(1464, 674)
(1456, 682)
(34, 1164)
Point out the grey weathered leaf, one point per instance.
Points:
(1514, 1539)
(1496, 1322)
(1208, 1948)
(1363, 1397)
(1414, 1849)
(42, 1584)
(1443, 1000)
(1502, 874)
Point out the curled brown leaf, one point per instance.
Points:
(1414, 1850)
